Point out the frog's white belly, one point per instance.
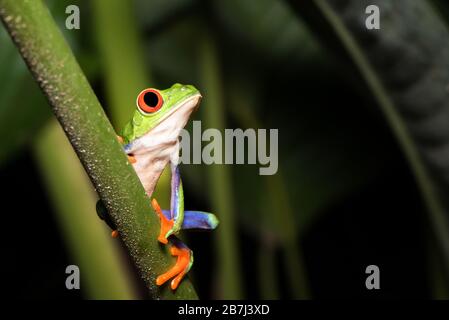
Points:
(149, 165)
(156, 148)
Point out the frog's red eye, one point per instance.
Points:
(149, 100)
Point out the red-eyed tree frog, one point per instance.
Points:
(151, 141)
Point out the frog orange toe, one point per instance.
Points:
(132, 159)
(177, 280)
(166, 224)
(120, 139)
(179, 270)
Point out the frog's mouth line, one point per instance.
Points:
(191, 102)
(181, 105)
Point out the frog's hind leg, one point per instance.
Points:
(171, 222)
(183, 264)
(198, 220)
(166, 222)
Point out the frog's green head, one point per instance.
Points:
(155, 106)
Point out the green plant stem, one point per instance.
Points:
(104, 272)
(277, 211)
(123, 66)
(220, 175)
(437, 278)
(75, 105)
(269, 287)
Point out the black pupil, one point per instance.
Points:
(151, 99)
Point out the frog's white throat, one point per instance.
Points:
(160, 145)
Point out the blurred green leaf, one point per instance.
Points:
(23, 109)
(220, 187)
(407, 70)
(119, 46)
(171, 54)
(270, 27)
(321, 159)
(330, 163)
(105, 267)
(17, 88)
(443, 7)
(152, 13)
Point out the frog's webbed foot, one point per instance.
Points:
(166, 223)
(183, 264)
(131, 159)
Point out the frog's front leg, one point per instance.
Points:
(131, 159)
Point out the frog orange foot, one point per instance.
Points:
(179, 270)
(166, 224)
(132, 159)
